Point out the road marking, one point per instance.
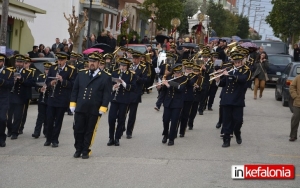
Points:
(288, 156)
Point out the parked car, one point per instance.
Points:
(273, 47)
(38, 64)
(277, 63)
(284, 81)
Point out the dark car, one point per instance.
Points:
(38, 64)
(277, 63)
(273, 47)
(284, 81)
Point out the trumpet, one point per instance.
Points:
(117, 91)
(219, 75)
(161, 82)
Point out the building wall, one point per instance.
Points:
(22, 39)
(47, 27)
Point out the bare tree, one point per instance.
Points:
(75, 27)
(4, 18)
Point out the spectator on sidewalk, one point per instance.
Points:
(57, 44)
(34, 53)
(133, 40)
(294, 91)
(48, 53)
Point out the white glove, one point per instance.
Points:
(72, 109)
(123, 84)
(157, 70)
(101, 112)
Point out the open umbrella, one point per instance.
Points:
(249, 45)
(161, 38)
(189, 45)
(9, 52)
(105, 47)
(90, 50)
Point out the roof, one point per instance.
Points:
(22, 11)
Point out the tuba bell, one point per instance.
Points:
(230, 47)
(148, 57)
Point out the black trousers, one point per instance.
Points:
(186, 110)
(117, 111)
(15, 116)
(131, 117)
(55, 116)
(203, 97)
(173, 115)
(193, 114)
(24, 116)
(41, 119)
(160, 98)
(212, 94)
(3, 120)
(232, 120)
(85, 129)
(221, 118)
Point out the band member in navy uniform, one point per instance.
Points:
(173, 102)
(6, 83)
(90, 98)
(140, 72)
(27, 66)
(213, 86)
(42, 103)
(196, 95)
(207, 68)
(188, 97)
(60, 79)
(124, 82)
(19, 97)
(233, 99)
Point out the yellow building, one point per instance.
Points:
(19, 36)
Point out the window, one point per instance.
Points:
(279, 60)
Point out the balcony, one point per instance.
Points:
(102, 6)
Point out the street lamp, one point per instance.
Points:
(175, 22)
(89, 25)
(153, 9)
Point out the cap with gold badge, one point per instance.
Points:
(188, 65)
(27, 60)
(205, 53)
(2, 57)
(108, 56)
(214, 54)
(47, 65)
(124, 62)
(61, 55)
(177, 68)
(237, 56)
(73, 55)
(136, 54)
(19, 58)
(94, 56)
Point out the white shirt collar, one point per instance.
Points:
(95, 72)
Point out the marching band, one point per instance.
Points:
(187, 82)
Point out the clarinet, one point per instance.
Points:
(116, 93)
(43, 98)
(53, 91)
(13, 88)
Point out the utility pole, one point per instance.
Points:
(4, 18)
(243, 6)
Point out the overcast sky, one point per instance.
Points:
(265, 29)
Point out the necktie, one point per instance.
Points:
(91, 74)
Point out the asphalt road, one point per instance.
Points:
(197, 160)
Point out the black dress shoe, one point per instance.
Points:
(70, 113)
(164, 140)
(238, 139)
(54, 145)
(218, 125)
(190, 128)
(171, 143)
(181, 135)
(2, 144)
(20, 131)
(292, 139)
(85, 156)
(47, 143)
(117, 143)
(210, 109)
(35, 135)
(77, 154)
(111, 142)
(13, 137)
(8, 134)
(129, 136)
(221, 135)
(200, 112)
(226, 142)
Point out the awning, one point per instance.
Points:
(22, 11)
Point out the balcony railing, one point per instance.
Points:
(111, 3)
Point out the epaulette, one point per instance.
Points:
(10, 69)
(132, 72)
(41, 74)
(32, 69)
(246, 67)
(107, 72)
(143, 65)
(82, 70)
(71, 66)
